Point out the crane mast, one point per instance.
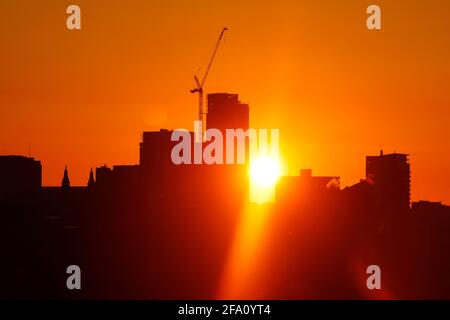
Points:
(199, 83)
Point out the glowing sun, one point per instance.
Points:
(264, 171)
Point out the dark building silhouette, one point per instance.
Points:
(319, 182)
(155, 148)
(429, 207)
(19, 176)
(119, 177)
(390, 175)
(103, 174)
(295, 187)
(225, 111)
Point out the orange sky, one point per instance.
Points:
(336, 90)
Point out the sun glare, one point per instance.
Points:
(264, 171)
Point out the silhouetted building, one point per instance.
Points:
(429, 207)
(319, 182)
(155, 149)
(390, 175)
(103, 175)
(225, 111)
(19, 175)
(119, 177)
(293, 187)
(65, 184)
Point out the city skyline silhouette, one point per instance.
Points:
(79, 98)
(156, 230)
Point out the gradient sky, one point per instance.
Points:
(336, 90)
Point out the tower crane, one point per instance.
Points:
(200, 83)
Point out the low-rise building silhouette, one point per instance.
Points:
(19, 175)
(292, 187)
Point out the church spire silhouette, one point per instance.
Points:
(91, 180)
(65, 181)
